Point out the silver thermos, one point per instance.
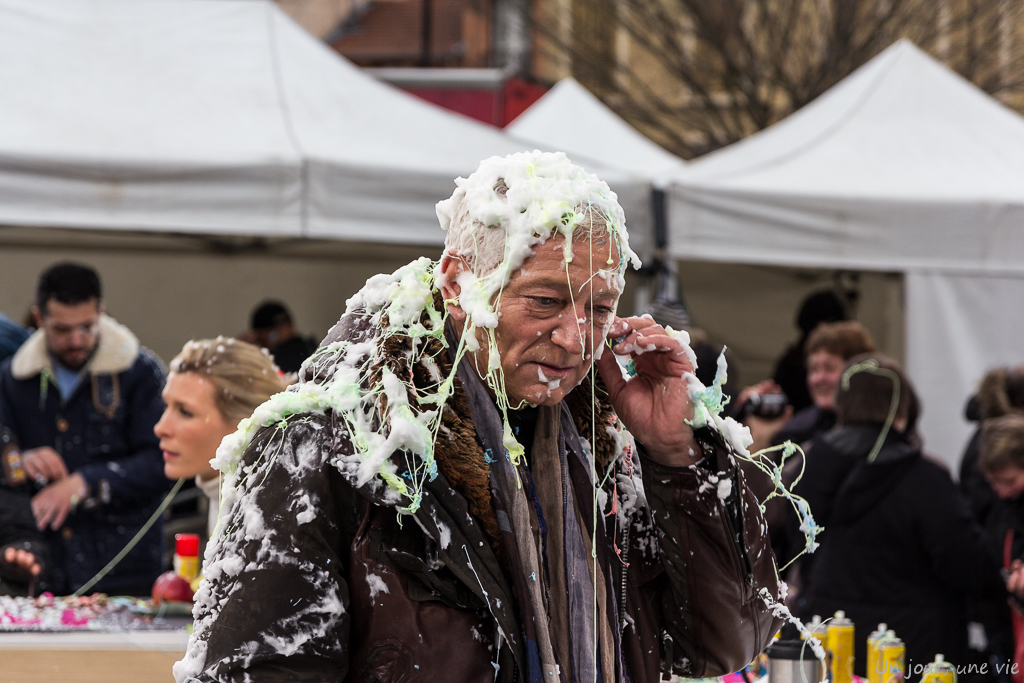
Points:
(793, 661)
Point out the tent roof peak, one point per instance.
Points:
(901, 105)
(571, 118)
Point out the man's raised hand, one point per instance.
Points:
(654, 404)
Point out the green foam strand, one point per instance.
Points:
(375, 431)
(871, 366)
(762, 460)
(708, 403)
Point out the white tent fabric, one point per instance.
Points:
(220, 117)
(959, 326)
(902, 166)
(569, 117)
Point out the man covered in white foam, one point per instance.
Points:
(493, 498)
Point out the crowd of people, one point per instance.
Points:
(94, 431)
(900, 542)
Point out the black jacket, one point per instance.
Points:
(105, 432)
(805, 425)
(899, 544)
(787, 541)
(290, 355)
(973, 483)
(1005, 521)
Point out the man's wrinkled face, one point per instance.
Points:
(72, 330)
(552, 315)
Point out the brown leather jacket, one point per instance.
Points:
(318, 579)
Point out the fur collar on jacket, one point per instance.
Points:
(117, 350)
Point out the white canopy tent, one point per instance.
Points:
(153, 138)
(903, 166)
(220, 117)
(569, 117)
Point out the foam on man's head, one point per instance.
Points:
(510, 204)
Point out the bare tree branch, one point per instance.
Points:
(702, 74)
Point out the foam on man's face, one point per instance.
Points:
(552, 315)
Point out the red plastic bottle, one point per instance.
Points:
(186, 556)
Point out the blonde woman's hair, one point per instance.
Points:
(243, 375)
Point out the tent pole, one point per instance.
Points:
(425, 26)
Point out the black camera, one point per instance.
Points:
(765, 406)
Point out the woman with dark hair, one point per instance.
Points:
(1000, 393)
(899, 544)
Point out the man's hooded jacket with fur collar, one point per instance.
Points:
(314, 577)
(104, 431)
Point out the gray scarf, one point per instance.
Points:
(569, 617)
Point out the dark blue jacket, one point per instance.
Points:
(105, 432)
(12, 336)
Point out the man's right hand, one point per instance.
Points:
(43, 464)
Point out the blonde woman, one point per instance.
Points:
(213, 385)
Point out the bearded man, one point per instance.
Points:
(453, 491)
(81, 397)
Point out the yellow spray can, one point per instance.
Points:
(939, 671)
(872, 664)
(892, 659)
(817, 629)
(840, 647)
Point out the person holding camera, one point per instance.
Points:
(765, 409)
